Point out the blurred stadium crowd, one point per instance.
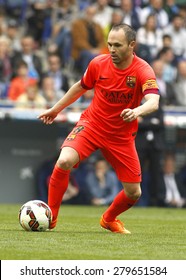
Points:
(46, 45)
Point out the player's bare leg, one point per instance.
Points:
(122, 202)
(59, 180)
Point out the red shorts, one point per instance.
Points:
(119, 152)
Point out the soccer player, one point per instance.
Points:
(120, 80)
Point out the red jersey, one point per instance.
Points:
(115, 90)
(18, 86)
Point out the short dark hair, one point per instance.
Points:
(129, 32)
(22, 63)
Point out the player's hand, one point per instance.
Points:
(128, 115)
(48, 116)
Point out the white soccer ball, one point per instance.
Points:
(35, 215)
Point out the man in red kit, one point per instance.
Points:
(120, 80)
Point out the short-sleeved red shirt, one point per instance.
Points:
(115, 90)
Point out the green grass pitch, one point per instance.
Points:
(157, 234)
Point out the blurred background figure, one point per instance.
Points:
(130, 14)
(177, 32)
(180, 85)
(20, 81)
(116, 18)
(15, 9)
(5, 65)
(167, 90)
(31, 98)
(39, 20)
(182, 179)
(49, 92)
(102, 184)
(55, 71)
(172, 184)
(150, 144)
(172, 8)
(86, 98)
(29, 55)
(103, 14)
(14, 33)
(167, 41)
(72, 195)
(166, 55)
(64, 12)
(155, 7)
(150, 35)
(91, 42)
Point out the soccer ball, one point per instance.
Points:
(35, 215)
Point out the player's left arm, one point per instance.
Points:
(150, 105)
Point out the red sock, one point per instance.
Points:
(57, 187)
(120, 204)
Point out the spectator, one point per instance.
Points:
(3, 21)
(31, 98)
(143, 51)
(130, 14)
(20, 82)
(44, 172)
(116, 18)
(61, 42)
(91, 42)
(182, 180)
(171, 8)
(87, 97)
(5, 66)
(14, 34)
(171, 183)
(178, 34)
(180, 85)
(61, 81)
(114, 3)
(103, 15)
(182, 13)
(167, 91)
(167, 40)
(63, 13)
(102, 184)
(39, 20)
(150, 35)
(166, 55)
(72, 194)
(150, 143)
(49, 92)
(15, 9)
(155, 7)
(28, 54)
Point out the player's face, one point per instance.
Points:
(119, 48)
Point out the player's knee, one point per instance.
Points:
(137, 194)
(133, 193)
(64, 164)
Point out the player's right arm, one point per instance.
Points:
(71, 96)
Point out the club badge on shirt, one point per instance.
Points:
(131, 81)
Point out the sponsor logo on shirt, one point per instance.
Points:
(118, 97)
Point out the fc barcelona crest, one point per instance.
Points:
(131, 81)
